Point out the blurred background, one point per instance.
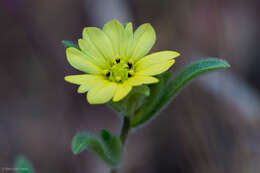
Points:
(212, 126)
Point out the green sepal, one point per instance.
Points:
(23, 165)
(172, 88)
(68, 44)
(132, 101)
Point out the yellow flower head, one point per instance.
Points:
(114, 61)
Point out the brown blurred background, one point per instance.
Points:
(212, 126)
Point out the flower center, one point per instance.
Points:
(120, 70)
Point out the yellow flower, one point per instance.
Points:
(114, 61)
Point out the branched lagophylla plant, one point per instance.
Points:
(119, 72)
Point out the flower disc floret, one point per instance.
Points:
(119, 71)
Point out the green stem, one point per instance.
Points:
(123, 136)
(125, 129)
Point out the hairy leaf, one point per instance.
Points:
(157, 91)
(174, 86)
(113, 146)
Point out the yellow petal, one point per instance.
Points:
(127, 44)
(141, 79)
(86, 81)
(144, 39)
(92, 54)
(77, 59)
(89, 85)
(156, 68)
(115, 31)
(82, 78)
(102, 93)
(155, 58)
(100, 40)
(121, 91)
(84, 88)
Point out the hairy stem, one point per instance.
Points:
(123, 136)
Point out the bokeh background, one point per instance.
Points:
(212, 126)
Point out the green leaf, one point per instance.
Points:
(68, 44)
(23, 165)
(132, 102)
(106, 136)
(107, 151)
(175, 85)
(113, 146)
(82, 141)
(157, 91)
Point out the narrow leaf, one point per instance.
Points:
(23, 165)
(157, 91)
(68, 44)
(106, 136)
(113, 146)
(82, 141)
(177, 83)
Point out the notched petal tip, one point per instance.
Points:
(168, 53)
(66, 78)
(72, 79)
(85, 29)
(175, 54)
(69, 50)
(129, 24)
(148, 28)
(154, 81)
(82, 89)
(90, 31)
(113, 21)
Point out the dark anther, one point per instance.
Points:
(129, 75)
(129, 65)
(117, 60)
(108, 74)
